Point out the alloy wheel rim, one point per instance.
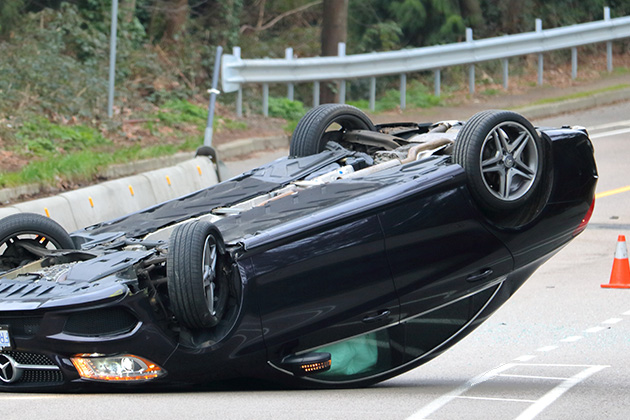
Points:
(509, 161)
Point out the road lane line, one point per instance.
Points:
(626, 313)
(440, 402)
(612, 321)
(612, 192)
(551, 396)
(572, 339)
(608, 125)
(496, 399)
(547, 348)
(553, 365)
(609, 133)
(525, 358)
(553, 378)
(594, 329)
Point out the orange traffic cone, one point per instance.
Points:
(620, 276)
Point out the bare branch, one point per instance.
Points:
(278, 18)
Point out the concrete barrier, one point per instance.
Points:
(200, 172)
(132, 193)
(168, 183)
(59, 209)
(92, 205)
(76, 209)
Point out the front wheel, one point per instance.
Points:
(25, 237)
(197, 287)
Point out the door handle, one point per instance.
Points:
(480, 276)
(379, 316)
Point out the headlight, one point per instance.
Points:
(122, 368)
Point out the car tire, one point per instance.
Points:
(37, 229)
(505, 162)
(311, 135)
(197, 287)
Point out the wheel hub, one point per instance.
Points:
(508, 161)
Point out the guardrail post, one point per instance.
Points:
(574, 63)
(505, 63)
(471, 68)
(403, 91)
(540, 56)
(372, 93)
(315, 94)
(236, 51)
(437, 81)
(112, 59)
(341, 52)
(609, 63)
(265, 103)
(288, 54)
(207, 137)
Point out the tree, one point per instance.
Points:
(176, 17)
(334, 31)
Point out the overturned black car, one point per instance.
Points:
(365, 253)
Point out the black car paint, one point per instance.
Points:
(413, 233)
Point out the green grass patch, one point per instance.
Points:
(40, 136)
(179, 111)
(490, 92)
(417, 96)
(86, 165)
(578, 95)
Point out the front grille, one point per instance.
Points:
(37, 369)
(24, 327)
(41, 377)
(106, 321)
(25, 358)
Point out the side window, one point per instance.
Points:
(363, 356)
(426, 332)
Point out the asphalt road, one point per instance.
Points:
(559, 349)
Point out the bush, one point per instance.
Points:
(286, 108)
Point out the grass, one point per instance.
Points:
(416, 96)
(579, 95)
(86, 165)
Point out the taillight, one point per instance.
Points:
(585, 220)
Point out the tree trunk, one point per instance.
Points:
(176, 18)
(334, 31)
(128, 10)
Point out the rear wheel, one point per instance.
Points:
(325, 123)
(197, 287)
(25, 237)
(504, 160)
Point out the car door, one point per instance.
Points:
(437, 247)
(324, 286)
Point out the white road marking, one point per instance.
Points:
(537, 405)
(608, 125)
(612, 321)
(547, 348)
(440, 402)
(496, 399)
(610, 133)
(626, 313)
(553, 378)
(525, 358)
(594, 329)
(572, 339)
(557, 392)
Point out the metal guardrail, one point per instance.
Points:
(237, 71)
